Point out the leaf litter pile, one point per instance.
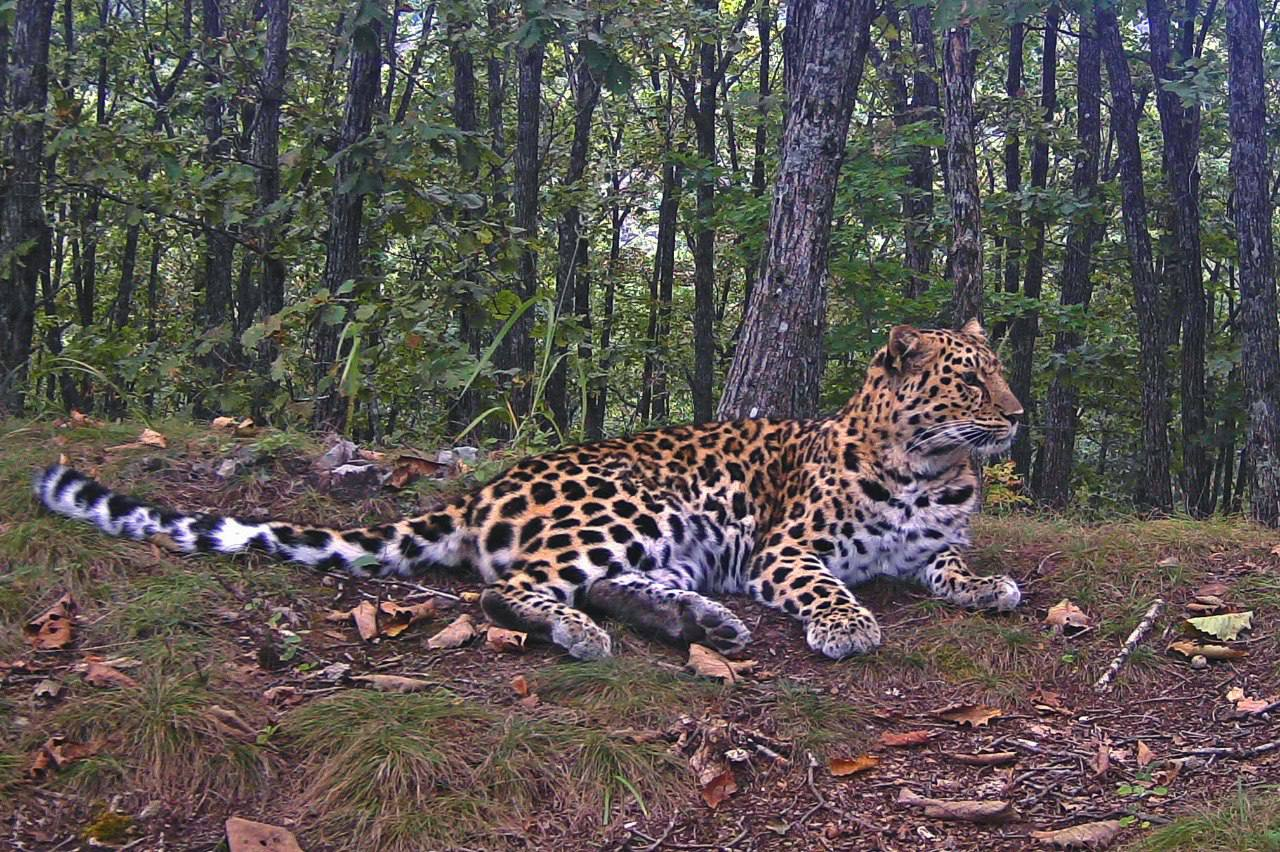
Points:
(154, 701)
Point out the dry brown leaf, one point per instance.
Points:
(1101, 760)
(409, 467)
(371, 455)
(52, 629)
(1215, 588)
(245, 835)
(501, 639)
(964, 810)
(227, 423)
(1145, 755)
(973, 715)
(842, 766)
(470, 597)
(711, 663)
(99, 672)
(393, 683)
(1067, 618)
(57, 753)
(366, 618)
(994, 758)
(284, 696)
(906, 738)
(719, 788)
(1088, 835)
(521, 686)
(152, 438)
(400, 618)
(230, 724)
(1190, 649)
(461, 631)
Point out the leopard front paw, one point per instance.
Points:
(584, 640)
(998, 593)
(843, 632)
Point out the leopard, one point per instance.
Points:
(651, 529)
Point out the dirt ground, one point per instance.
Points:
(240, 698)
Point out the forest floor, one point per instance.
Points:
(190, 690)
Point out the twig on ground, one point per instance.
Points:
(1144, 626)
(1235, 753)
(822, 801)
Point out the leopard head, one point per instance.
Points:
(939, 391)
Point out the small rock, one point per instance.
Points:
(1199, 661)
(337, 455)
(334, 672)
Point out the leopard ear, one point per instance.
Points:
(973, 328)
(903, 342)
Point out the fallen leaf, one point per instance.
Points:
(1226, 627)
(501, 639)
(371, 455)
(1088, 835)
(393, 683)
(1206, 604)
(1101, 760)
(245, 835)
(1145, 755)
(284, 696)
(223, 423)
(461, 631)
(521, 685)
(973, 715)
(366, 618)
(230, 724)
(79, 419)
(47, 689)
(58, 753)
(409, 467)
(842, 766)
(400, 618)
(719, 788)
(993, 758)
(1066, 618)
(1169, 562)
(906, 738)
(152, 438)
(1214, 588)
(1189, 649)
(1247, 705)
(470, 597)
(100, 673)
(1048, 701)
(52, 629)
(710, 663)
(965, 810)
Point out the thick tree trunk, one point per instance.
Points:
(1156, 488)
(497, 98)
(1026, 327)
(266, 151)
(1260, 338)
(516, 352)
(778, 364)
(465, 117)
(1180, 126)
(702, 380)
(1061, 404)
(925, 106)
(965, 261)
(346, 212)
(1012, 236)
(572, 284)
(23, 225)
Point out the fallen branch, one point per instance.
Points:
(966, 810)
(1144, 626)
(1235, 753)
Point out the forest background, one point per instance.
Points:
(546, 221)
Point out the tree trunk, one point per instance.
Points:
(764, 31)
(965, 261)
(1156, 490)
(1026, 327)
(1260, 338)
(516, 351)
(702, 380)
(1012, 236)
(777, 367)
(346, 213)
(572, 285)
(23, 226)
(471, 317)
(1180, 127)
(266, 152)
(1061, 404)
(598, 399)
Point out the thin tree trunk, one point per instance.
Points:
(925, 105)
(470, 315)
(1180, 126)
(965, 261)
(23, 226)
(1012, 237)
(516, 350)
(1156, 489)
(598, 399)
(1061, 416)
(1260, 338)
(777, 367)
(764, 31)
(702, 380)
(1026, 327)
(342, 245)
(266, 152)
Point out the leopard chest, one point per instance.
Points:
(899, 530)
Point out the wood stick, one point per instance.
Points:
(1144, 626)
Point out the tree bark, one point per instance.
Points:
(965, 261)
(925, 105)
(1156, 489)
(1012, 236)
(1260, 338)
(516, 352)
(702, 380)
(1180, 127)
(1061, 418)
(266, 151)
(465, 118)
(598, 398)
(23, 227)
(572, 285)
(1026, 327)
(346, 212)
(778, 364)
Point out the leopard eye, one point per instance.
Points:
(971, 378)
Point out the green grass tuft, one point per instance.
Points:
(625, 688)
(1247, 822)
